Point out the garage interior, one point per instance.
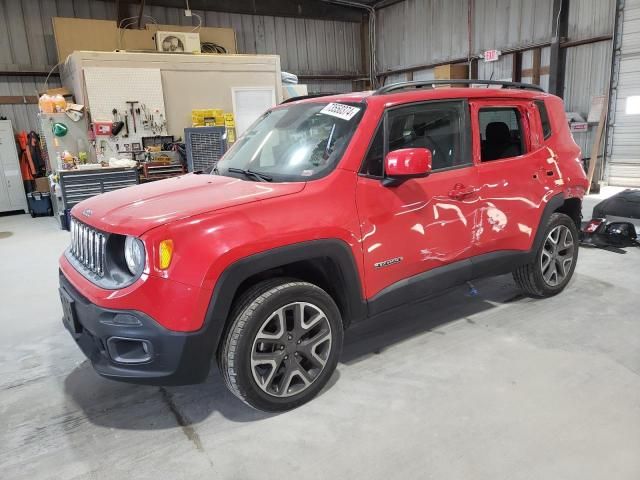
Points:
(479, 382)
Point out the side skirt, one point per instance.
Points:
(429, 284)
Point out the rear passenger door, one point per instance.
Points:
(510, 158)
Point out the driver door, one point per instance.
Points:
(417, 236)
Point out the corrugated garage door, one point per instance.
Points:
(624, 130)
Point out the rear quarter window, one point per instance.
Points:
(544, 118)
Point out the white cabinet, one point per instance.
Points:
(12, 195)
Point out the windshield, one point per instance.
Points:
(293, 143)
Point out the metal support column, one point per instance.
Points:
(558, 61)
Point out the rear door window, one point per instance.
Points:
(501, 133)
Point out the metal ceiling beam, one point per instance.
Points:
(278, 8)
(535, 47)
(384, 3)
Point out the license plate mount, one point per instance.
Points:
(69, 317)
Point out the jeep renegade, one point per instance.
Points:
(326, 211)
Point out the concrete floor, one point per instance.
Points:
(489, 387)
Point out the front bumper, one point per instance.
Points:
(128, 345)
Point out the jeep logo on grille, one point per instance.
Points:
(87, 212)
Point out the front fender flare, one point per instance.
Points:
(232, 277)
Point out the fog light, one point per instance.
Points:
(129, 350)
(165, 254)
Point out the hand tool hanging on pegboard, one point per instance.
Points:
(132, 104)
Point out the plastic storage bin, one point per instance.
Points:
(40, 204)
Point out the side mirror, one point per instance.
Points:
(406, 163)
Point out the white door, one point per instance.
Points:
(12, 195)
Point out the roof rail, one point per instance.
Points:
(433, 83)
(311, 95)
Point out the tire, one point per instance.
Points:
(282, 346)
(536, 279)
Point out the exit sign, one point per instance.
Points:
(491, 55)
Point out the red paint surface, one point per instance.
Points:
(429, 222)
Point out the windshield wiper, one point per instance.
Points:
(261, 177)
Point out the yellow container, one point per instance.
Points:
(210, 117)
(231, 135)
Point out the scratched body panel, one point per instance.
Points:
(417, 220)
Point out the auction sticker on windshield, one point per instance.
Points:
(345, 112)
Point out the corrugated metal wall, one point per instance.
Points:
(421, 32)
(527, 66)
(305, 46)
(416, 32)
(504, 24)
(23, 117)
(587, 75)
(588, 66)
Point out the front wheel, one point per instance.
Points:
(283, 344)
(554, 262)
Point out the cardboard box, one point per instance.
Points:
(132, 39)
(456, 71)
(291, 91)
(42, 185)
(73, 34)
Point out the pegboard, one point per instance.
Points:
(111, 87)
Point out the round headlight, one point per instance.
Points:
(134, 255)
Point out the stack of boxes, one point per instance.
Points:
(210, 117)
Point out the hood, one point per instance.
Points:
(134, 210)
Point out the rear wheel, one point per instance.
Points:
(283, 344)
(555, 261)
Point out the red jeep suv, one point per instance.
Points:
(327, 211)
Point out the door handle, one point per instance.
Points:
(460, 191)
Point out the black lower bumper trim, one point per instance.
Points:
(175, 358)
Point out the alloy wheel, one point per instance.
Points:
(557, 255)
(291, 349)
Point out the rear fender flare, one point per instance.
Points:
(553, 204)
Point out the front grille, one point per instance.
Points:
(87, 246)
